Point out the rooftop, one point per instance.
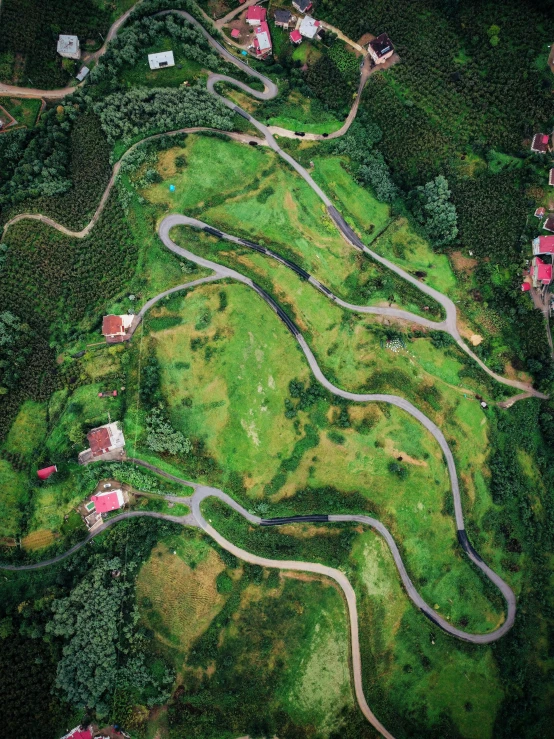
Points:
(161, 60)
(262, 39)
(256, 13)
(302, 5)
(295, 36)
(282, 16)
(309, 27)
(108, 501)
(381, 45)
(543, 245)
(67, 44)
(540, 143)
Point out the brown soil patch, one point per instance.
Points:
(186, 600)
(475, 339)
(461, 263)
(39, 539)
(166, 162)
(390, 449)
(365, 39)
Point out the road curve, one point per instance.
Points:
(164, 230)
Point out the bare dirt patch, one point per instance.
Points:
(38, 540)
(463, 263)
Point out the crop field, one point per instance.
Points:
(24, 111)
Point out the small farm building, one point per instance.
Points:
(303, 6)
(83, 73)
(548, 225)
(162, 60)
(45, 472)
(551, 178)
(296, 37)
(235, 33)
(540, 212)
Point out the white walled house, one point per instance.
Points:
(69, 47)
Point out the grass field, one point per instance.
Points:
(185, 70)
(281, 641)
(247, 191)
(25, 112)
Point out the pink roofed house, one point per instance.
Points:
(539, 213)
(540, 143)
(235, 33)
(541, 273)
(543, 245)
(526, 286)
(78, 733)
(255, 15)
(262, 41)
(296, 37)
(108, 501)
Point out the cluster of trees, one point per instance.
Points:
(82, 616)
(432, 206)
(31, 29)
(129, 45)
(15, 347)
(162, 437)
(141, 110)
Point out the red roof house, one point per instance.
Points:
(296, 37)
(262, 41)
(103, 439)
(114, 328)
(235, 33)
(541, 273)
(45, 473)
(540, 143)
(108, 501)
(543, 245)
(548, 225)
(79, 733)
(540, 212)
(256, 15)
(526, 286)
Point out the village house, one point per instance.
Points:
(262, 41)
(256, 15)
(548, 225)
(540, 143)
(111, 500)
(309, 28)
(102, 440)
(540, 272)
(68, 47)
(539, 213)
(380, 49)
(79, 733)
(303, 6)
(295, 37)
(283, 18)
(114, 328)
(235, 33)
(543, 245)
(161, 60)
(551, 178)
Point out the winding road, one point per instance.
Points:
(202, 492)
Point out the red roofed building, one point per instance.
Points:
(540, 143)
(102, 440)
(548, 225)
(256, 15)
(45, 473)
(262, 41)
(543, 245)
(79, 733)
(296, 37)
(235, 33)
(541, 273)
(540, 212)
(108, 501)
(115, 328)
(526, 286)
